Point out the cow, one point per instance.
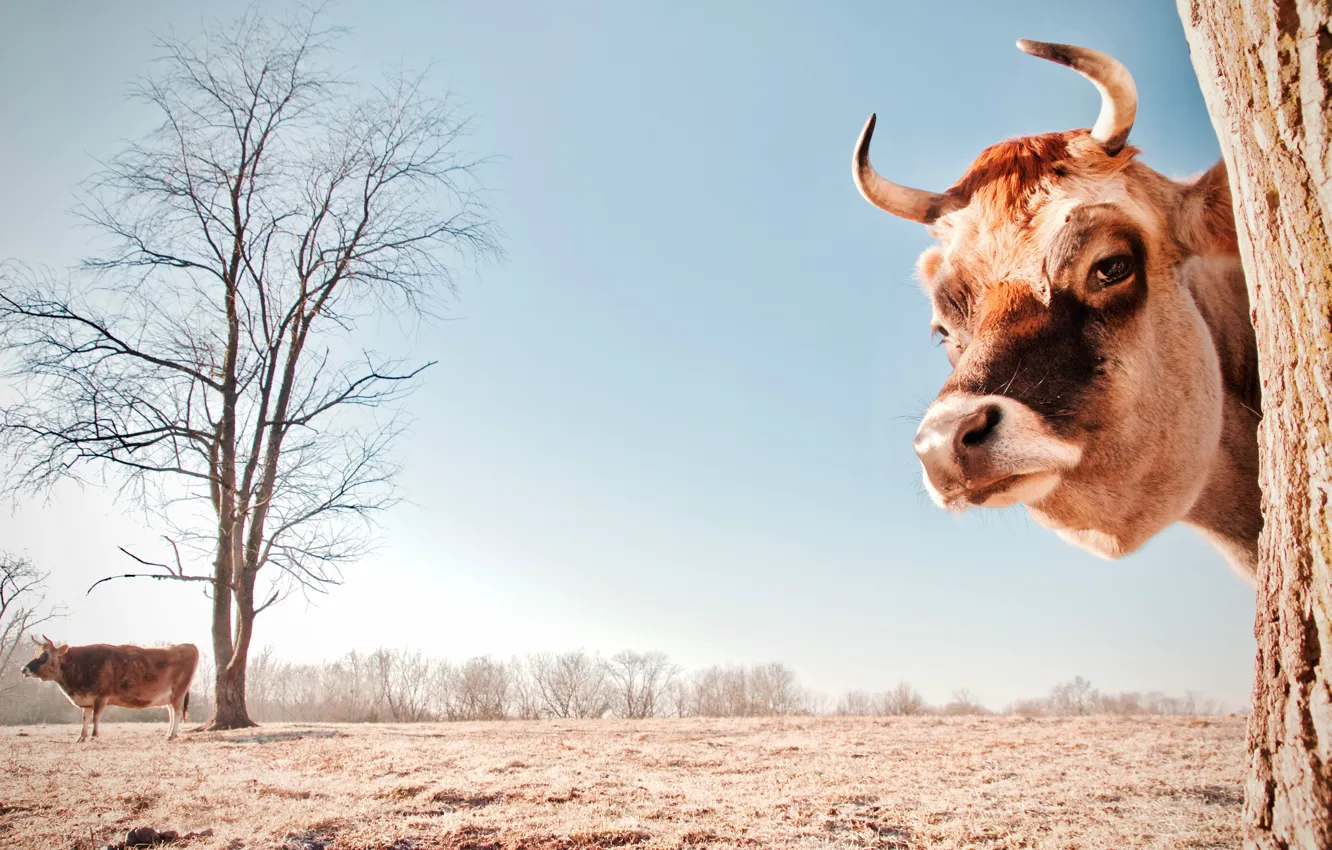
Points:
(1095, 315)
(93, 677)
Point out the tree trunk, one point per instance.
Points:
(229, 710)
(1266, 74)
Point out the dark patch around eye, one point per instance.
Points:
(1047, 357)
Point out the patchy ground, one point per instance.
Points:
(799, 782)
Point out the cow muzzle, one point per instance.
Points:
(989, 451)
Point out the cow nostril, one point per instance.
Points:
(980, 425)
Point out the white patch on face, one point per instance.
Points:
(1113, 192)
(1020, 459)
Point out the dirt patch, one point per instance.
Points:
(310, 840)
(273, 737)
(490, 838)
(137, 803)
(282, 793)
(460, 800)
(400, 792)
(1219, 795)
(608, 838)
(861, 823)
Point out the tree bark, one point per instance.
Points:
(1266, 73)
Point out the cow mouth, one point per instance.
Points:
(979, 495)
(1001, 491)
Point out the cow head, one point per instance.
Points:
(1085, 383)
(46, 664)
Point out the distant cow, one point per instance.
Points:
(99, 675)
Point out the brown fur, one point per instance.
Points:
(1008, 176)
(1205, 220)
(95, 676)
(1145, 391)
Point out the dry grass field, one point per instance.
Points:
(791, 782)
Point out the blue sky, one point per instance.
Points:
(678, 415)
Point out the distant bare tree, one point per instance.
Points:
(1198, 704)
(480, 690)
(903, 700)
(1029, 708)
(639, 682)
(209, 363)
(524, 697)
(349, 693)
(407, 683)
(1076, 697)
(570, 684)
(1123, 704)
(856, 704)
(201, 688)
(22, 610)
(761, 690)
(964, 702)
(262, 680)
(773, 690)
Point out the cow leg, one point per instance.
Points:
(83, 733)
(171, 721)
(98, 705)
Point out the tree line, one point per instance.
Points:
(408, 686)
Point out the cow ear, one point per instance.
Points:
(1206, 217)
(62, 649)
(927, 266)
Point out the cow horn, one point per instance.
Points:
(1119, 96)
(901, 201)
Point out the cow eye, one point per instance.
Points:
(1113, 270)
(940, 332)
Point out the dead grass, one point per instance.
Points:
(802, 782)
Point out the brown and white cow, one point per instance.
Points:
(1095, 314)
(93, 677)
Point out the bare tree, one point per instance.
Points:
(346, 692)
(773, 690)
(964, 702)
(407, 683)
(570, 684)
(856, 703)
(1267, 81)
(22, 610)
(903, 700)
(209, 361)
(524, 698)
(639, 683)
(481, 689)
(262, 680)
(1029, 708)
(1076, 697)
(760, 690)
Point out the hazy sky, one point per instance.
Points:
(678, 416)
